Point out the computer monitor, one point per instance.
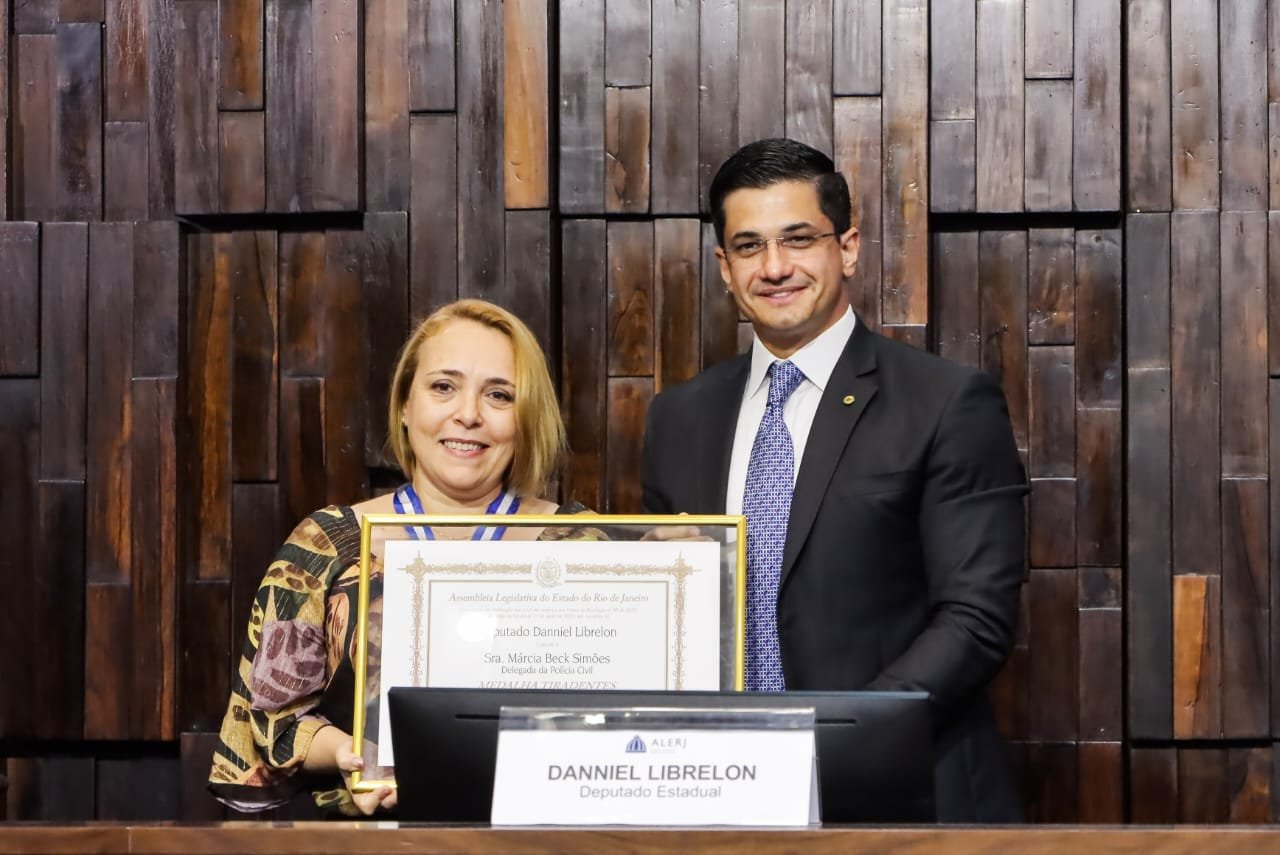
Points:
(875, 749)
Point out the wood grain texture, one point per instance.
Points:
(1101, 797)
(20, 421)
(124, 171)
(1195, 321)
(1243, 307)
(34, 94)
(204, 681)
(628, 402)
(77, 129)
(432, 55)
(1273, 305)
(1249, 787)
(809, 69)
(1194, 82)
(64, 294)
(717, 89)
(260, 530)
(527, 291)
(20, 300)
(34, 16)
(1001, 137)
(107, 675)
(626, 113)
(1203, 794)
(1049, 42)
(526, 111)
(956, 290)
(384, 264)
(1153, 784)
(1048, 151)
(156, 285)
(762, 70)
(6, 110)
(1246, 607)
(1243, 82)
(953, 60)
(161, 46)
(904, 294)
(1055, 791)
(1102, 686)
(126, 61)
(387, 167)
(953, 178)
(347, 478)
(674, 147)
(1197, 658)
(1051, 521)
(585, 296)
(1273, 552)
(1147, 93)
(1147, 294)
(240, 54)
(255, 360)
(480, 149)
(196, 100)
(1053, 678)
(631, 299)
(302, 482)
(242, 162)
(290, 102)
(81, 11)
(1098, 499)
(303, 303)
(433, 198)
(719, 312)
(1273, 151)
(856, 68)
(626, 51)
(1099, 265)
(1002, 272)
(677, 304)
(1051, 291)
(335, 40)
(1051, 408)
(57, 681)
(1095, 170)
(857, 157)
(581, 119)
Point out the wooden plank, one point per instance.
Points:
(1249, 775)
(432, 37)
(1153, 785)
(1000, 105)
(255, 361)
(717, 90)
(677, 307)
(34, 92)
(1273, 123)
(385, 266)
(240, 54)
(809, 69)
(1051, 409)
(762, 70)
(857, 156)
(1047, 156)
(953, 60)
(629, 399)
(915, 335)
(626, 51)
(584, 301)
(626, 189)
(347, 478)
(1147, 294)
(109, 630)
(1055, 783)
(303, 303)
(56, 682)
(260, 529)
(527, 291)
(20, 423)
(6, 108)
(857, 22)
(953, 178)
(1197, 657)
(1098, 317)
(904, 295)
(1246, 604)
(77, 128)
(480, 149)
(290, 101)
(674, 149)
(108, 415)
(156, 287)
(1243, 82)
(1051, 521)
(631, 322)
(64, 293)
(433, 201)
(1147, 89)
(1102, 786)
(1243, 306)
(386, 105)
(1053, 677)
(124, 171)
(526, 110)
(1203, 792)
(210, 322)
(335, 42)
(196, 100)
(1099, 483)
(302, 482)
(1194, 80)
(582, 105)
(153, 663)
(60, 789)
(719, 312)
(1095, 170)
(955, 272)
(1002, 270)
(204, 680)
(1101, 588)
(242, 162)
(81, 11)
(120, 779)
(1049, 31)
(1101, 681)
(1195, 321)
(1051, 286)
(34, 16)
(1274, 554)
(20, 299)
(1273, 276)
(127, 33)
(161, 41)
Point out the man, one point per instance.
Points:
(881, 484)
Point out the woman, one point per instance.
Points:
(475, 429)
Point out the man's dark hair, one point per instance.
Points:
(764, 163)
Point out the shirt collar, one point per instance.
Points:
(816, 360)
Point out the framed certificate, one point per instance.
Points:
(581, 601)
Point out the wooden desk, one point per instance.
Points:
(335, 838)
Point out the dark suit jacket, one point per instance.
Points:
(905, 545)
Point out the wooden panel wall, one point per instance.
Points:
(218, 218)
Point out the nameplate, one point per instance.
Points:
(655, 777)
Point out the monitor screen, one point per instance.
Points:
(875, 753)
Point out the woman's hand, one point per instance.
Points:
(348, 761)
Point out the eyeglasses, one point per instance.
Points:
(791, 244)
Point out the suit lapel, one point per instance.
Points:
(854, 375)
(718, 425)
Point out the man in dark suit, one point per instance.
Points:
(881, 484)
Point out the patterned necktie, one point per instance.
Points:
(766, 502)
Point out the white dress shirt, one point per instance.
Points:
(816, 360)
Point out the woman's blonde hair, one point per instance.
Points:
(540, 434)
